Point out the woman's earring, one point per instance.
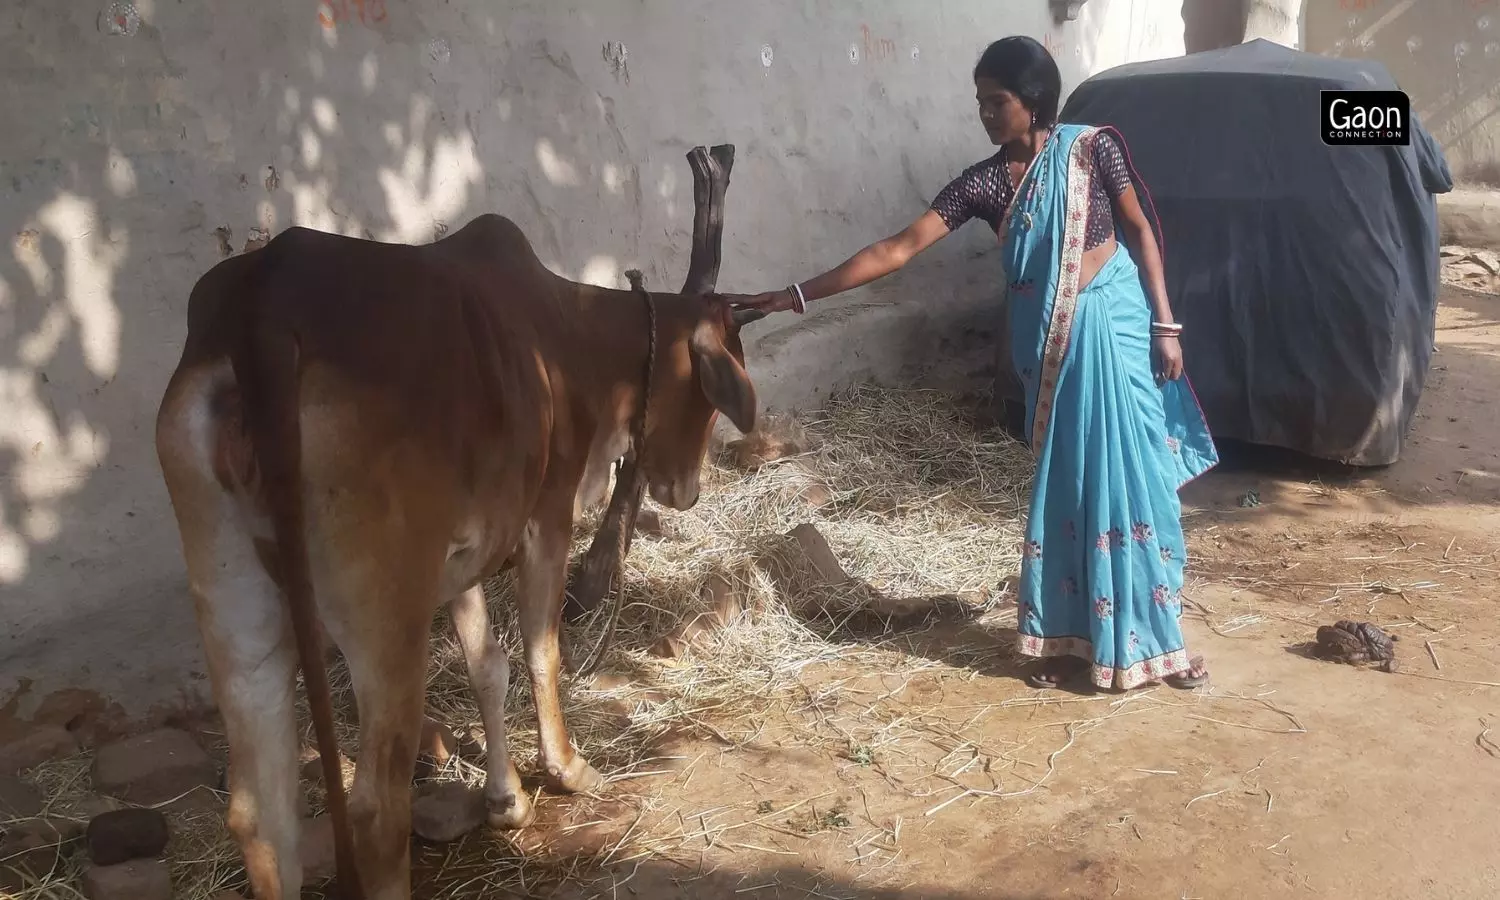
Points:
(1033, 120)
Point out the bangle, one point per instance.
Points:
(799, 300)
(1166, 329)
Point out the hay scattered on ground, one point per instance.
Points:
(917, 504)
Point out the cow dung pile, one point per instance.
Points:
(814, 542)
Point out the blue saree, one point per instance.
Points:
(1102, 565)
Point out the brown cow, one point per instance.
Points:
(371, 429)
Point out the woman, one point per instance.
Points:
(1114, 428)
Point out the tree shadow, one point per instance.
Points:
(344, 122)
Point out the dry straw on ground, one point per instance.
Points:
(916, 504)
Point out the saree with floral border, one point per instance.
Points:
(1103, 560)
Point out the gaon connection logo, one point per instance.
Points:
(1366, 118)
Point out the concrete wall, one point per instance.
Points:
(1274, 20)
(1444, 53)
(1213, 24)
(141, 144)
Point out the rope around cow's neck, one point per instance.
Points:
(632, 468)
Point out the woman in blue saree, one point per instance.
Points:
(1112, 422)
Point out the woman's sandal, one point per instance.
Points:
(1056, 672)
(1186, 681)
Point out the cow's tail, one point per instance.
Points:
(267, 369)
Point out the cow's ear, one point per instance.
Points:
(724, 381)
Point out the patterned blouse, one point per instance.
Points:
(984, 190)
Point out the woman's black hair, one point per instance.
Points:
(1021, 65)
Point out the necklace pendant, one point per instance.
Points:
(1026, 220)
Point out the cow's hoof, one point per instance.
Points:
(578, 778)
(511, 813)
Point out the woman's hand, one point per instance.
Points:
(769, 302)
(1168, 353)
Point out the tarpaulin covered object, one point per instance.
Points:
(1306, 276)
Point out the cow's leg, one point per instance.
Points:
(252, 663)
(246, 634)
(540, 578)
(381, 619)
(489, 675)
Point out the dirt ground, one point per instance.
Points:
(1288, 776)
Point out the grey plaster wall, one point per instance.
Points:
(140, 144)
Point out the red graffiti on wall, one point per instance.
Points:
(1479, 4)
(331, 13)
(1354, 4)
(877, 47)
(1054, 45)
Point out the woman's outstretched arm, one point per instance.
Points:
(873, 262)
(879, 259)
